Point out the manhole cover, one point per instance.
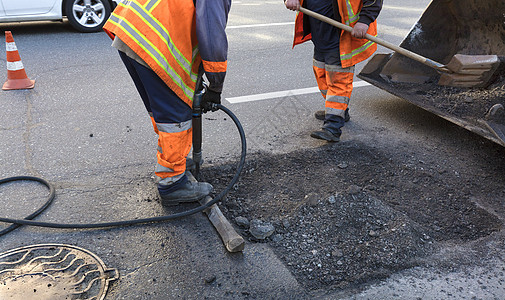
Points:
(53, 271)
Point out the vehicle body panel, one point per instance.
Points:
(32, 10)
(28, 7)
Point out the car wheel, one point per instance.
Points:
(87, 15)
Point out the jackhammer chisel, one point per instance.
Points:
(231, 239)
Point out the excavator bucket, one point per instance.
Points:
(448, 28)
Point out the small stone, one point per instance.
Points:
(373, 233)
(332, 200)
(242, 221)
(210, 279)
(90, 135)
(342, 165)
(354, 189)
(261, 230)
(337, 253)
(285, 223)
(277, 238)
(312, 199)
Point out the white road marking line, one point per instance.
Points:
(403, 8)
(260, 25)
(261, 3)
(280, 94)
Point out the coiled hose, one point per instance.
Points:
(28, 220)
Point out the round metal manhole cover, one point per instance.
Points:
(53, 271)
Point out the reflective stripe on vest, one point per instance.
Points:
(357, 51)
(352, 50)
(150, 42)
(156, 26)
(352, 17)
(163, 34)
(151, 5)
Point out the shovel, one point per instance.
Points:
(461, 71)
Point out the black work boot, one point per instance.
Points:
(188, 192)
(325, 134)
(331, 130)
(321, 113)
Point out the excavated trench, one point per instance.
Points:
(348, 213)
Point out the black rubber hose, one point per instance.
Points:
(41, 209)
(28, 221)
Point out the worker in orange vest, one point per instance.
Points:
(163, 44)
(335, 53)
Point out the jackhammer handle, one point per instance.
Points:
(197, 121)
(233, 241)
(430, 63)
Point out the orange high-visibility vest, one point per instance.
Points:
(163, 34)
(352, 50)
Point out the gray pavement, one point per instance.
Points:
(84, 129)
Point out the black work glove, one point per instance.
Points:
(211, 97)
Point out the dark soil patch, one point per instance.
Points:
(348, 213)
(467, 103)
(461, 103)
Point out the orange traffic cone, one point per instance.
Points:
(16, 75)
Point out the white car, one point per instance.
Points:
(83, 15)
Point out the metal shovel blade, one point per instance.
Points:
(470, 70)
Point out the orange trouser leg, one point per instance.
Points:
(170, 163)
(171, 119)
(339, 81)
(320, 74)
(335, 84)
(174, 142)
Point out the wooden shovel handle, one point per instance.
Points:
(405, 52)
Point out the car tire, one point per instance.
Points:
(88, 17)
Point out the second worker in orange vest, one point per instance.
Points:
(335, 53)
(163, 43)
